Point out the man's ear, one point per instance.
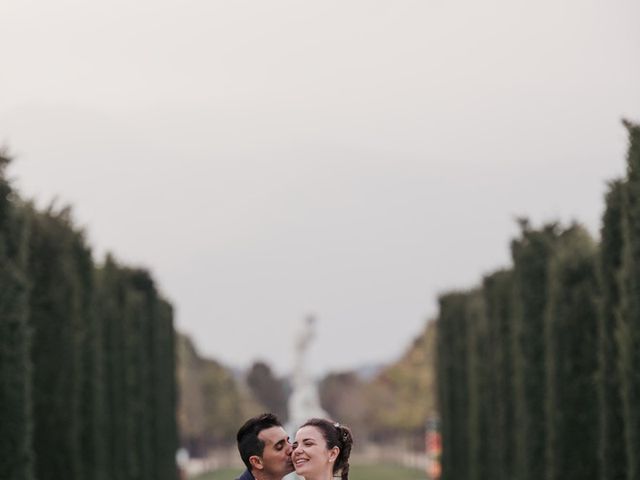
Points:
(256, 462)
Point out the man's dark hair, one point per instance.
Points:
(248, 442)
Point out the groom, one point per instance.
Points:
(265, 448)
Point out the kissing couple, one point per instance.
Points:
(320, 450)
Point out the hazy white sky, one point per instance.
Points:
(267, 159)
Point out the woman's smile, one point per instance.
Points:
(311, 457)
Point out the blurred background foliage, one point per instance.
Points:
(392, 403)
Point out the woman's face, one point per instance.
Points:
(310, 455)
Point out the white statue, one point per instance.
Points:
(301, 344)
(304, 402)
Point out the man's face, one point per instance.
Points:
(276, 457)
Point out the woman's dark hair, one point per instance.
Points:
(336, 435)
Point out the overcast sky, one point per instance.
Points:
(351, 159)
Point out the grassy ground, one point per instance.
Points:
(370, 472)
(385, 472)
(222, 474)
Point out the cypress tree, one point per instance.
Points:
(166, 432)
(571, 358)
(629, 320)
(454, 384)
(498, 298)
(110, 296)
(480, 369)
(16, 459)
(157, 386)
(139, 366)
(58, 263)
(92, 404)
(444, 368)
(127, 365)
(611, 437)
(530, 254)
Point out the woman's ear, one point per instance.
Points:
(256, 462)
(333, 454)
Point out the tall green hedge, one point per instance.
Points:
(16, 423)
(531, 253)
(571, 359)
(499, 446)
(629, 322)
(165, 437)
(453, 368)
(545, 384)
(87, 356)
(139, 364)
(60, 269)
(480, 369)
(612, 453)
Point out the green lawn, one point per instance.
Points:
(222, 474)
(358, 472)
(385, 472)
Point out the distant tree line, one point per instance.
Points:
(87, 383)
(391, 405)
(214, 400)
(539, 366)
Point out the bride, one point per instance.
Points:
(321, 450)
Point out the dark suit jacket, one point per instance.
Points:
(246, 476)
